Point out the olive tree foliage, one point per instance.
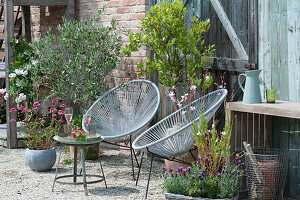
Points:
(179, 53)
(75, 62)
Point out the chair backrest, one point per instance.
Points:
(124, 110)
(172, 135)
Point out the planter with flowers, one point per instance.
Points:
(38, 135)
(210, 177)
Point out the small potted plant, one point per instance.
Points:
(210, 176)
(38, 132)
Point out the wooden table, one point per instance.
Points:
(253, 122)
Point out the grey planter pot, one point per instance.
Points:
(170, 196)
(40, 160)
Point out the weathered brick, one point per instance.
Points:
(114, 3)
(129, 2)
(122, 10)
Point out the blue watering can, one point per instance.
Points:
(251, 90)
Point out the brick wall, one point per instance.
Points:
(126, 12)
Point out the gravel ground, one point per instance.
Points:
(17, 181)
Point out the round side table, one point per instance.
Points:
(81, 144)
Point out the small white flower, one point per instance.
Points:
(179, 105)
(17, 71)
(6, 96)
(3, 90)
(193, 87)
(22, 96)
(207, 78)
(25, 72)
(12, 75)
(223, 133)
(34, 62)
(28, 67)
(18, 100)
(17, 41)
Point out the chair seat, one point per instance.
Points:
(172, 136)
(124, 110)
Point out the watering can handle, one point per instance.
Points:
(240, 83)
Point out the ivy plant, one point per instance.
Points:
(75, 62)
(180, 55)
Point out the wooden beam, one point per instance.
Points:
(229, 30)
(39, 3)
(26, 28)
(253, 31)
(70, 10)
(12, 141)
(228, 64)
(287, 109)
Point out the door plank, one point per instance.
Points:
(229, 29)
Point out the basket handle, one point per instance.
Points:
(257, 170)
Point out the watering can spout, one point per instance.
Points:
(251, 89)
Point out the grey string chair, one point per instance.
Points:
(122, 112)
(171, 137)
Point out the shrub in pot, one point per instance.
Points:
(180, 57)
(38, 132)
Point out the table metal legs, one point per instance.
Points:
(75, 174)
(75, 164)
(83, 171)
(60, 152)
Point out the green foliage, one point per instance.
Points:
(21, 83)
(213, 147)
(67, 161)
(77, 122)
(179, 52)
(75, 63)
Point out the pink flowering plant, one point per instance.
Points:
(39, 129)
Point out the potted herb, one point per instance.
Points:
(209, 177)
(38, 132)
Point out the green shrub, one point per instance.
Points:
(75, 62)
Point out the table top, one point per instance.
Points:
(71, 141)
(287, 109)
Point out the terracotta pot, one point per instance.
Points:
(92, 154)
(270, 172)
(186, 157)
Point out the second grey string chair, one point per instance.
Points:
(122, 112)
(171, 137)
